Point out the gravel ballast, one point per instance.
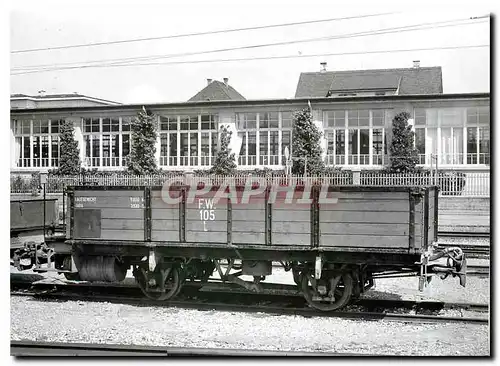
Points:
(87, 322)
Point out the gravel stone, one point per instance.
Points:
(75, 321)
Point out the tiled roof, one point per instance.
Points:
(217, 90)
(422, 80)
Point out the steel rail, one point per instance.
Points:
(464, 234)
(26, 348)
(284, 309)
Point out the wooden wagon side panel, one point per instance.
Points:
(366, 219)
(108, 214)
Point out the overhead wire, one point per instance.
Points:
(279, 57)
(200, 33)
(130, 61)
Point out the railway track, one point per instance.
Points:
(471, 250)
(463, 234)
(36, 349)
(363, 309)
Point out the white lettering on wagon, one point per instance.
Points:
(136, 202)
(80, 201)
(207, 211)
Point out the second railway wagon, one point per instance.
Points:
(334, 239)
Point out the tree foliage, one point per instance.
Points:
(225, 162)
(404, 157)
(142, 159)
(69, 158)
(306, 145)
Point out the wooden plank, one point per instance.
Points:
(287, 239)
(291, 227)
(122, 234)
(364, 229)
(248, 226)
(122, 213)
(109, 193)
(110, 202)
(169, 225)
(291, 215)
(206, 237)
(195, 215)
(253, 215)
(122, 224)
(368, 195)
(165, 213)
(248, 237)
(249, 207)
(164, 235)
(374, 206)
(365, 241)
(283, 207)
(206, 226)
(362, 216)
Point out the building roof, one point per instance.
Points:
(61, 96)
(217, 90)
(415, 81)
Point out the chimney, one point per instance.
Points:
(209, 81)
(225, 81)
(416, 64)
(323, 66)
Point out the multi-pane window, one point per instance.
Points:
(364, 131)
(106, 141)
(478, 135)
(260, 137)
(37, 142)
(189, 140)
(452, 135)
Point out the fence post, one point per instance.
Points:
(356, 176)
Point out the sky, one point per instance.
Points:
(464, 70)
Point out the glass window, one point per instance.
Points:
(378, 118)
(472, 145)
(252, 144)
(286, 119)
(126, 123)
(484, 145)
(214, 143)
(420, 140)
(263, 150)
(377, 146)
(26, 151)
(173, 149)
(286, 141)
(353, 146)
(273, 143)
(95, 125)
(432, 117)
(420, 117)
(268, 120)
(54, 125)
(106, 124)
(330, 143)
(26, 127)
(352, 119)
(364, 118)
(87, 124)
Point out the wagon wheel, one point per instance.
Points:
(319, 294)
(172, 282)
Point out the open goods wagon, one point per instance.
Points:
(334, 239)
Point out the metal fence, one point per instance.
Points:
(452, 184)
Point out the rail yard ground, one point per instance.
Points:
(94, 322)
(90, 322)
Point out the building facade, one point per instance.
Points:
(452, 129)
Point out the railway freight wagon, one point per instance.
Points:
(334, 240)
